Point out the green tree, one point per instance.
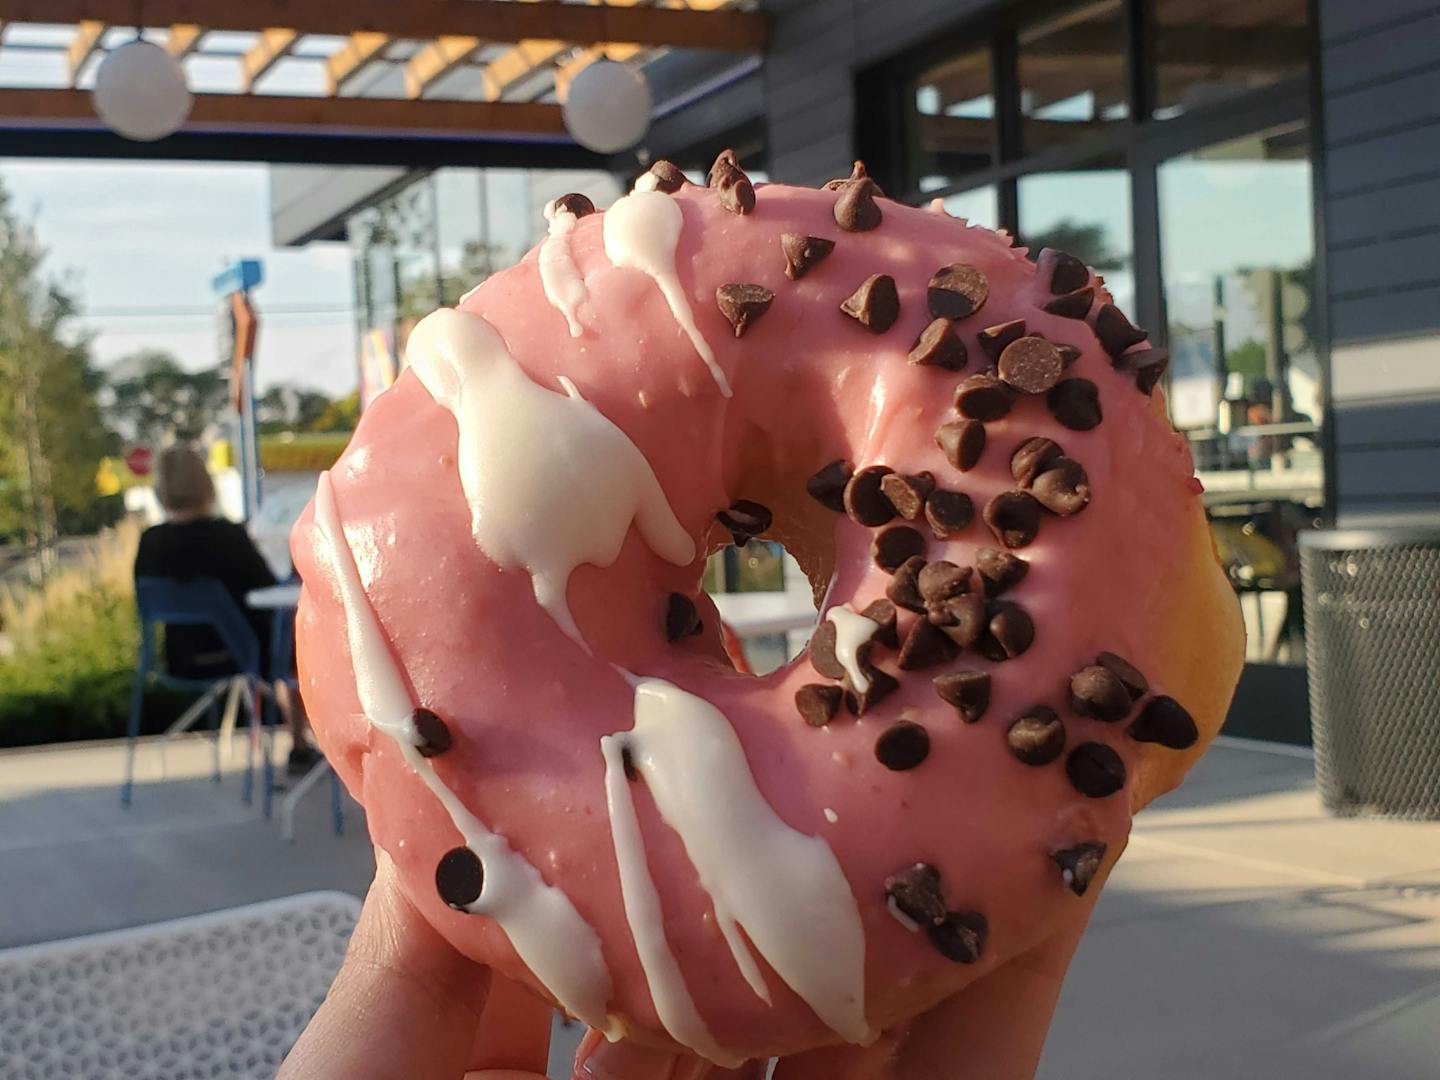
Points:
(289, 408)
(155, 400)
(1087, 243)
(339, 416)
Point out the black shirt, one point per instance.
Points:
(206, 547)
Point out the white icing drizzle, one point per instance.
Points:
(550, 936)
(746, 856)
(560, 277)
(851, 631)
(831, 816)
(647, 181)
(673, 1003)
(904, 920)
(642, 231)
(550, 481)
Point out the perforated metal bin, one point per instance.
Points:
(1372, 631)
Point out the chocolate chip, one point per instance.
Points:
(1014, 518)
(882, 685)
(1068, 353)
(1036, 737)
(742, 304)
(942, 579)
(904, 589)
(818, 703)
(903, 745)
(1030, 365)
(1164, 720)
(827, 486)
(947, 512)
(1062, 488)
(856, 209)
(960, 937)
(822, 651)
(1071, 305)
(575, 203)
(668, 177)
(681, 618)
(882, 614)
(1075, 403)
(1147, 364)
(725, 161)
(1032, 457)
(1115, 331)
(1097, 692)
(1095, 770)
(1135, 682)
(746, 520)
(916, 894)
(983, 397)
(893, 546)
(968, 691)
(957, 291)
(993, 339)
(802, 252)
(1061, 273)
(434, 733)
(939, 346)
(737, 194)
(962, 618)
(1008, 632)
(907, 493)
(857, 172)
(925, 646)
(875, 305)
(865, 502)
(999, 570)
(627, 762)
(1078, 864)
(459, 878)
(962, 442)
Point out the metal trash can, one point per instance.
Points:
(1372, 631)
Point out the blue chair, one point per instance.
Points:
(200, 602)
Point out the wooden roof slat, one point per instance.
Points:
(274, 44)
(350, 59)
(183, 40)
(619, 51)
(437, 60)
(86, 42)
(518, 61)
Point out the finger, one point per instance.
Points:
(599, 1059)
(514, 1031)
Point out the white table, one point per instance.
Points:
(274, 597)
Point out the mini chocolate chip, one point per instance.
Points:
(891, 547)
(1095, 770)
(802, 252)
(1062, 488)
(1147, 364)
(903, 745)
(993, 339)
(434, 733)
(857, 172)
(1097, 692)
(627, 762)
(916, 894)
(1071, 305)
(1075, 403)
(737, 194)
(939, 346)
(983, 397)
(962, 442)
(681, 618)
(960, 936)
(1068, 353)
(1008, 633)
(882, 685)
(822, 651)
(1164, 720)
(1014, 518)
(903, 588)
(883, 614)
(968, 691)
(818, 703)
(1032, 457)
(942, 579)
(925, 646)
(459, 878)
(865, 502)
(907, 493)
(746, 520)
(1135, 682)
(999, 570)
(947, 512)
(575, 203)
(668, 177)
(875, 305)
(957, 291)
(742, 304)
(1078, 864)
(856, 209)
(1062, 273)
(1115, 331)
(827, 486)
(961, 617)
(724, 162)
(1036, 737)
(1030, 365)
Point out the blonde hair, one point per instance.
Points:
(182, 482)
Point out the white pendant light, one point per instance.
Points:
(140, 92)
(608, 107)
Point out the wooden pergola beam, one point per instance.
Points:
(183, 40)
(493, 20)
(350, 59)
(274, 44)
(437, 60)
(518, 61)
(83, 45)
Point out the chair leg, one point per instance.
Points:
(292, 798)
(132, 733)
(212, 722)
(187, 720)
(247, 788)
(337, 812)
(267, 749)
(227, 725)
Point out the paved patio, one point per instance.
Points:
(1245, 934)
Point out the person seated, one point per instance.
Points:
(192, 542)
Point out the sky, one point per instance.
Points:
(138, 243)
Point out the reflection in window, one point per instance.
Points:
(1085, 212)
(979, 206)
(1072, 75)
(954, 120)
(1207, 52)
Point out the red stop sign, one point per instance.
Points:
(137, 460)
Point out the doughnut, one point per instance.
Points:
(1024, 635)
